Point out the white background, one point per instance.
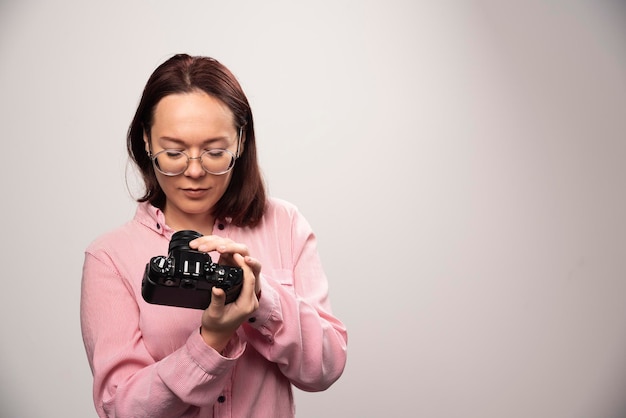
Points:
(462, 162)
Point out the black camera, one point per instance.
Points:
(185, 277)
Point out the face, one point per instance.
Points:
(192, 122)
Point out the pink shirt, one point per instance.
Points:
(150, 360)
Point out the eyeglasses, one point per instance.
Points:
(217, 161)
(173, 162)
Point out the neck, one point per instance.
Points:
(202, 223)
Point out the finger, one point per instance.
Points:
(207, 243)
(222, 245)
(231, 247)
(218, 300)
(226, 260)
(254, 264)
(228, 250)
(249, 279)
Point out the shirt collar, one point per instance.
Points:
(153, 218)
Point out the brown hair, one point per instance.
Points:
(244, 199)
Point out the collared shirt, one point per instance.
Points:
(150, 360)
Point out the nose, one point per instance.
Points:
(194, 169)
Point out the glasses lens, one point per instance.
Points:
(217, 161)
(170, 162)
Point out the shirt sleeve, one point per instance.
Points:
(128, 382)
(294, 326)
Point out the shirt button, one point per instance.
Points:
(220, 227)
(252, 319)
(221, 399)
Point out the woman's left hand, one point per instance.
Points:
(221, 320)
(227, 249)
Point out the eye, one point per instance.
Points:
(174, 154)
(215, 153)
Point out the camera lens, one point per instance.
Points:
(180, 240)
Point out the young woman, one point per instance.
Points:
(193, 140)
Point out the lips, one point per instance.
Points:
(195, 192)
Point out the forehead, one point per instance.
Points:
(192, 111)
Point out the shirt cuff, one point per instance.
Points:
(268, 308)
(210, 360)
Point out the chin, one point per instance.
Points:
(191, 207)
(197, 209)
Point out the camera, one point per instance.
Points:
(186, 277)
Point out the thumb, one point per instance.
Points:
(218, 297)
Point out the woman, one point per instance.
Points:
(192, 139)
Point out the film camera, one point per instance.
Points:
(185, 277)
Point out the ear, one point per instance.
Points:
(146, 142)
(242, 141)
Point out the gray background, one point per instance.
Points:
(462, 163)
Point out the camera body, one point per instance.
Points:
(186, 277)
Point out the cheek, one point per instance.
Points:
(220, 186)
(223, 181)
(164, 182)
(227, 177)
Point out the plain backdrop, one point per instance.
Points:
(463, 164)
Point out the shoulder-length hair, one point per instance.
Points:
(244, 200)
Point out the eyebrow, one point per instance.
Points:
(224, 139)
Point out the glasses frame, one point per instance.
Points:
(234, 158)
